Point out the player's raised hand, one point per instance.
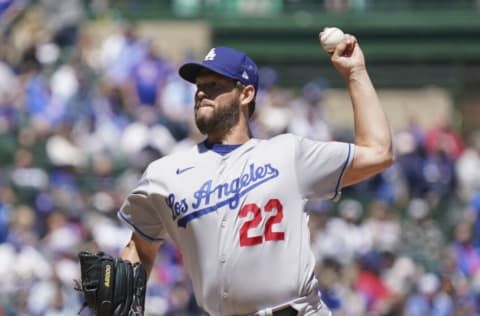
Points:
(348, 56)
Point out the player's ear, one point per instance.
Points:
(247, 95)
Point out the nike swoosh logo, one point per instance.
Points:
(180, 171)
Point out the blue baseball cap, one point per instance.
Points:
(227, 62)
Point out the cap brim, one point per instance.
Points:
(189, 71)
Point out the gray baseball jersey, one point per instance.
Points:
(236, 214)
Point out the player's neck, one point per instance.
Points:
(239, 134)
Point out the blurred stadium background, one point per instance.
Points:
(89, 95)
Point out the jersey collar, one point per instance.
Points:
(221, 149)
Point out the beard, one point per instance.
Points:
(223, 118)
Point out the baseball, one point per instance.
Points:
(330, 37)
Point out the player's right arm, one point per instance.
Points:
(140, 250)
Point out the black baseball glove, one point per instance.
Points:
(112, 286)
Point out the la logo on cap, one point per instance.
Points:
(211, 55)
(245, 75)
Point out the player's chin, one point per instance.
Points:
(203, 114)
(204, 125)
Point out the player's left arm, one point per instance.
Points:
(373, 139)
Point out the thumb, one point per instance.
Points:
(340, 50)
(346, 47)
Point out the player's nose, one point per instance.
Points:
(201, 94)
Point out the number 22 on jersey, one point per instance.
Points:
(268, 234)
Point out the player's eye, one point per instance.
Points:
(208, 88)
(213, 88)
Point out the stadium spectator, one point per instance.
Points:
(422, 239)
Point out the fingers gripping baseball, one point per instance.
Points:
(346, 47)
(346, 55)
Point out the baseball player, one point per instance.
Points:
(233, 204)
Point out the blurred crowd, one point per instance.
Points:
(79, 123)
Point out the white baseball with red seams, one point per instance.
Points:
(330, 37)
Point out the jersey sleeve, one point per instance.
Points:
(141, 211)
(321, 166)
